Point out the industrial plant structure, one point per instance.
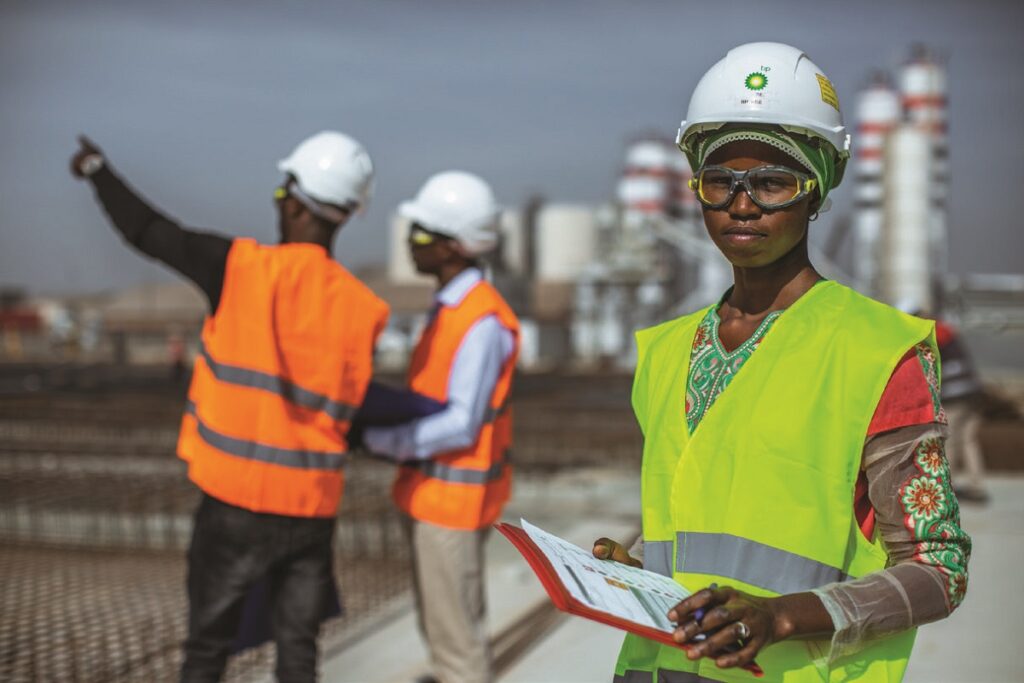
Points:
(583, 277)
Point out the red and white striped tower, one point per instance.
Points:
(682, 201)
(923, 85)
(878, 112)
(644, 187)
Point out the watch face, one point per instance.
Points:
(91, 164)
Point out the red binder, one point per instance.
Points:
(564, 601)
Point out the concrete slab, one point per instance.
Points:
(563, 504)
(578, 651)
(978, 644)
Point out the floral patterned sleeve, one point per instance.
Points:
(918, 519)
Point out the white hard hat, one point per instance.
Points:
(769, 84)
(333, 168)
(459, 205)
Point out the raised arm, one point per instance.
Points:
(199, 256)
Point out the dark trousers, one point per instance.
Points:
(232, 549)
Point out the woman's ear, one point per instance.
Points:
(814, 206)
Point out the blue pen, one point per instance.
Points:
(698, 616)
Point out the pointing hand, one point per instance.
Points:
(86, 148)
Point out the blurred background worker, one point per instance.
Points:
(284, 362)
(454, 477)
(961, 390)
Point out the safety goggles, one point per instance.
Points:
(331, 214)
(770, 187)
(421, 237)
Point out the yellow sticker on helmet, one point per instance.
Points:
(828, 93)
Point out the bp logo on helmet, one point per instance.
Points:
(756, 81)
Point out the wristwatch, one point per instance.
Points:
(91, 164)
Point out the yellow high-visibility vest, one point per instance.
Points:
(760, 496)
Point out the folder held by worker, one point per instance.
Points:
(608, 592)
(385, 405)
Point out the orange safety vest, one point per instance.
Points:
(465, 488)
(284, 364)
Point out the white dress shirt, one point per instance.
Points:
(475, 372)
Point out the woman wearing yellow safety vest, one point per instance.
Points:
(801, 491)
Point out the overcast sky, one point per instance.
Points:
(194, 102)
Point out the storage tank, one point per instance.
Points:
(906, 268)
(514, 242)
(566, 241)
(878, 111)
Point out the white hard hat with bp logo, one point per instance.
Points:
(768, 84)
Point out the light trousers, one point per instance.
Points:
(966, 463)
(448, 583)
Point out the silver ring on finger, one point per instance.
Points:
(742, 630)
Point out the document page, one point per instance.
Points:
(630, 593)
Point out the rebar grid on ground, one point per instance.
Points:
(95, 511)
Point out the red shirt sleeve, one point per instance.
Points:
(908, 398)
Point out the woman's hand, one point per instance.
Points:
(720, 614)
(607, 549)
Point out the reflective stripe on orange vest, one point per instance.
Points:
(466, 488)
(292, 393)
(306, 460)
(436, 470)
(284, 361)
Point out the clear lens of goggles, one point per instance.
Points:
(770, 187)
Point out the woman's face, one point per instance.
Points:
(747, 235)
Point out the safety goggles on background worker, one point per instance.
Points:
(331, 214)
(770, 187)
(421, 237)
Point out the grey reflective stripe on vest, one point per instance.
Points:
(751, 562)
(461, 475)
(664, 676)
(658, 557)
(305, 460)
(243, 377)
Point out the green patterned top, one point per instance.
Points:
(712, 367)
